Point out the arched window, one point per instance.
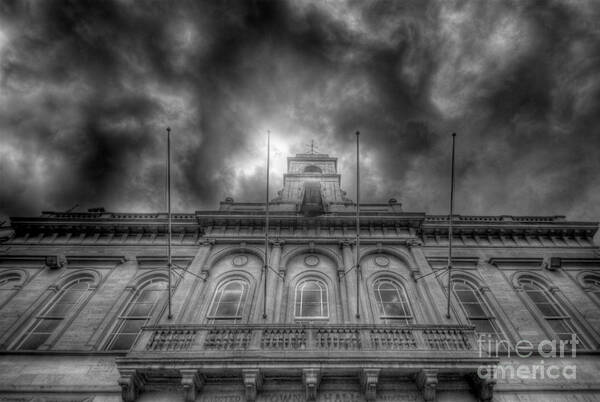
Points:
(550, 310)
(229, 301)
(136, 314)
(8, 281)
(392, 302)
(476, 309)
(312, 169)
(65, 302)
(311, 300)
(592, 285)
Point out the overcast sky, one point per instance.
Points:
(88, 88)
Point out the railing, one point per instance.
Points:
(495, 219)
(294, 337)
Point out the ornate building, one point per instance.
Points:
(84, 315)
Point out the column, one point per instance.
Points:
(190, 288)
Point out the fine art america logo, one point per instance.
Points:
(529, 369)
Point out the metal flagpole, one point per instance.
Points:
(170, 315)
(357, 228)
(450, 219)
(266, 227)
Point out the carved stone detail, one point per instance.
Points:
(483, 387)
(410, 243)
(131, 385)
(369, 378)
(427, 383)
(252, 383)
(192, 384)
(311, 379)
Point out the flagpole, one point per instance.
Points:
(266, 227)
(357, 228)
(170, 315)
(450, 219)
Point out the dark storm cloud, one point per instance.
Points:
(89, 87)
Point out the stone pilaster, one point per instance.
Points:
(431, 287)
(343, 285)
(351, 282)
(274, 283)
(191, 286)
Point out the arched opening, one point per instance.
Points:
(311, 300)
(312, 169)
(136, 314)
(392, 302)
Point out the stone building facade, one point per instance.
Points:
(84, 316)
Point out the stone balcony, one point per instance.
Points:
(190, 356)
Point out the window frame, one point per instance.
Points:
(42, 313)
(484, 305)
(404, 301)
(324, 301)
(562, 313)
(123, 317)
(241, 303)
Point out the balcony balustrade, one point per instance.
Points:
(307, 337)
(190, 356)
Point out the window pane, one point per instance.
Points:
(71, 296)
(123, 342)
(537, 296)
(148, 296)
(34, 341)
(231, 296)
(467, 296)
(548, 310)
(226, 309)
(59, 310)
(391, 300)
(45, 325)
(483, 326)
(559, 326)
(394, 309)
(311, 310)
(474, 310)
(140, 310)
(132, 326)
